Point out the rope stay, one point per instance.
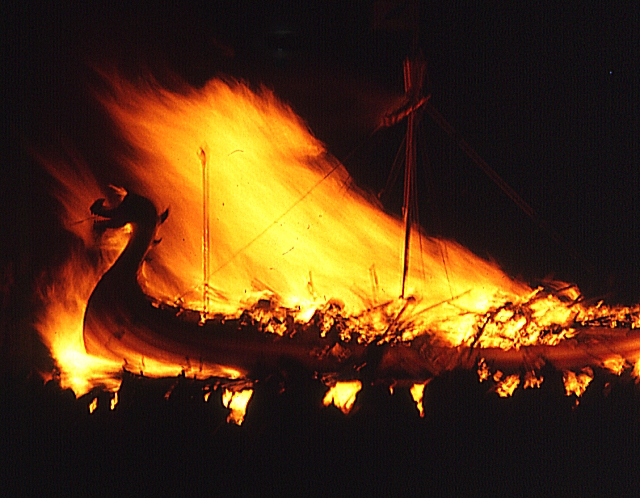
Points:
(506, 188)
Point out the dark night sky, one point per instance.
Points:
(546, 92)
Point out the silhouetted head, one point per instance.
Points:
(133, 208)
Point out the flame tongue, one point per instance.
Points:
(283, 224)
(286, 220)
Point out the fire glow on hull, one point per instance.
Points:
(284, 224)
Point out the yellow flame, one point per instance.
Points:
(483, 370)
(61, 329)
(93, 405)
(636, 370)
(615, 364)
(343, 395)
(577, 383)
(282, 209)
(531, 380)
(506, 387)
(236, 402)
(114, 401)
(417, 393)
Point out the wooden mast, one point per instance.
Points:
(414, 70)
(205, 235)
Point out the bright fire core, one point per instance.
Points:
(283, 222)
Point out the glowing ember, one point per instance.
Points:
(114, 401)
(577, 383)
(615, 364)
(636, 370)
(417, 393)
(531, 380)
(483, 370)
(93, 405)
(506, 387)
(236, 402)
(343, 395)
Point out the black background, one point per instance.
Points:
(546, 92)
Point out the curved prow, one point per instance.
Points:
(141, 214)
(133, 209)
(122, 324)
(117, 298)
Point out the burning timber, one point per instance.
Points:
(123, 324)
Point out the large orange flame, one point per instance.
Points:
(284, 222)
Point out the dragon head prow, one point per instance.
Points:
(127, 208)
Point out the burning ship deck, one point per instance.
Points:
(121, 323)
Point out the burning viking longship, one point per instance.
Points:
(121, 318)
(235, 264)
(305, 255)
(270, 255)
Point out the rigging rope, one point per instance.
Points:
(505, 187)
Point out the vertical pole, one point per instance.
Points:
(409, 174)
(205, 234)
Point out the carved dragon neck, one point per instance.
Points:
(121, 324)
(141, 214)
